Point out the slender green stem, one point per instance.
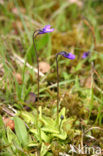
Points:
(57, 89)
(37, 57)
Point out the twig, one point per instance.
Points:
(8, 111)
(21, 61)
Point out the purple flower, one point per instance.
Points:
(46, 29)
(67, 55)
(85, 54)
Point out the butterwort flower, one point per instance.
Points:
(71, 57)
(67, 55)
(85, 54)
(46, 29)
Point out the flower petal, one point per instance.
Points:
(67, 55)
(85, 54)
(47, 26)
(46, 29)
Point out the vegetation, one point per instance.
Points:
(30, 126)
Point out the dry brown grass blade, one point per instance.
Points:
(88, 24)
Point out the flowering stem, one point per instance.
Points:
(34, 37)
(71, 57)
(37, 57)
(57, 89)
